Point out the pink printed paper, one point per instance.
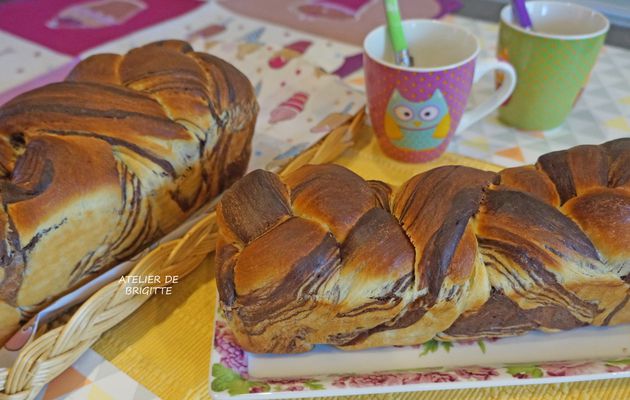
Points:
(344, 20)
(72, 26)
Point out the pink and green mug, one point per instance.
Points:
(415, 111)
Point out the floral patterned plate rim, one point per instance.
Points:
(230, 377)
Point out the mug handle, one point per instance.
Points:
(506, 89)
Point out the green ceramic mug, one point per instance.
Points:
(552, 61)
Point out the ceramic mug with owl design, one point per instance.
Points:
(415, 111)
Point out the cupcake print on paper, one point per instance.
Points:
(96, 14)
(289, 108)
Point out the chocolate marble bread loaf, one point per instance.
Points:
(323, 256)
(94, 168)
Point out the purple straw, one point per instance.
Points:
(521, 14)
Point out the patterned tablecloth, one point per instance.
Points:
(28, 58)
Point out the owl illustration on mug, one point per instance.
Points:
(417, 125)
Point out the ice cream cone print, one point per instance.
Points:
(250, 43)
(208, 44)
(253, 36)
(245, 49)
(289, 52)
(333, 120)
(96, 14)
(350, 65)
(319, 72)
(289, 109)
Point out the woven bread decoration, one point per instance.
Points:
(322, 256)
(95, 168)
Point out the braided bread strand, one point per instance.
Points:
(323, 256)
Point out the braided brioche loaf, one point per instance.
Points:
(94, 168)
(323, 256)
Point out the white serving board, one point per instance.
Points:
(536, 347)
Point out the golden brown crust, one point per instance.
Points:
(618, 159)
(530, 180)
(316, 196)
(589, 167)
(244, 222)
(454, 253)
(250, 272)
(94, 168)
(99, 68)
(435, 224)
(603, 214)
(378, 257)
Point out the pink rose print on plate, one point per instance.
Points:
(567, 368)
(292, 384)
(477, 373)
(618, 366)
(232, 356)
(289, 109)
(96, 14)
(367, 380)
(406, 378)
(436, 377)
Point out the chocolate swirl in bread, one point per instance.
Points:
(323, 256)
(94, 168)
